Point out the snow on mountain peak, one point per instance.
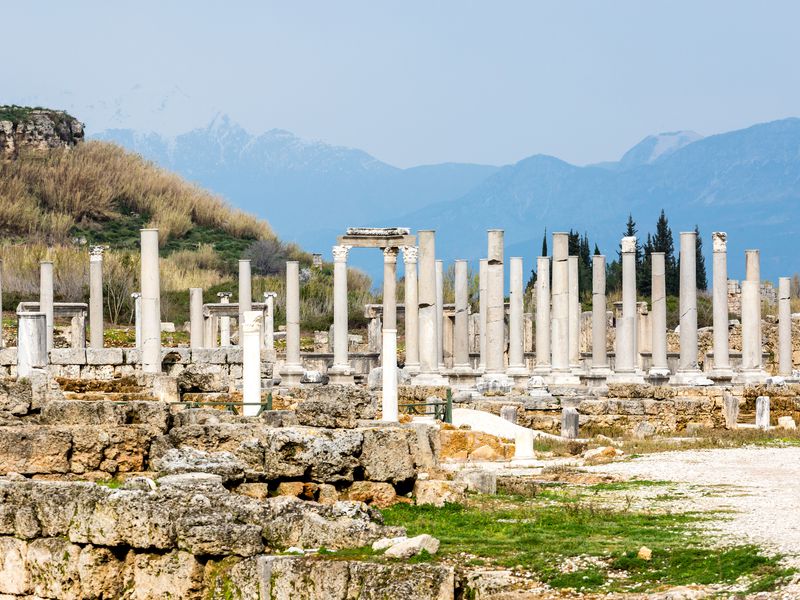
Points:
(656, 147)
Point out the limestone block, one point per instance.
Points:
(211, 356)
(413, 546)
(730, 409)
(509, 413)
(375, 378)
(762, 412)
(100, 573)
(258, 491)
(113, 450)
(68, 356)
(202, 377)
(52, 564)
(176, 575)
(438, 492)
(33, 450)
(326, 455)
(16, 397)
(130, 518)
(165, 388)
(379, 495)
(190, 460)
(14, 577)
(481, 481)
(235, 372)
(176, 355)
(594, 407)
(104, 356)
(234, 355)
(8, 356)
(569, 423)
(386, 455)
(786, 423)
(425, 444)
(133, 356)
(211, 533)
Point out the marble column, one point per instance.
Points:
(292, 371)
(688, 302)
(245, 291)
(483, 276)
(785, 326)
(151, 302)
(46, 298)
(495, 316)
(560, 309)
(137, 317)
(722, 364)
(659, 367)
(2, 343)
(542, 316)
(625, 364)
(250, 334)
(461, 364)
(31, 342)
(428, 343)
(440, 314)
(516, 356)
(751, 370)
(96, 297)
(269, 324)
(389, 408)
(340, 372)
(574, 314)
(599, 318)
(411, 310)
(196, 317)
(225, 322)
(390, 288)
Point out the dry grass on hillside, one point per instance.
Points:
(43, 195)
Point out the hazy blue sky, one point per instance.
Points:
(413, 82)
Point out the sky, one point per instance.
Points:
(413, 82)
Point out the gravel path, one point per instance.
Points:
(759, 488)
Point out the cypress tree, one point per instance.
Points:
(544, 243)
(700, 261)
(663, 242)
(645, 282)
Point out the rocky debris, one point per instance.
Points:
(15, 397)
(601, 454)
(481, 481)
(379, 495)
(386, 455)
(439, 492)
(786, 423)
(336, 406)
(81, 413)
(644, 429)
(375, 378)
(36, 129)
(484, 453)
(198, 377)
(645, 553)
(190, 460)
(408, 547)
(315, 377)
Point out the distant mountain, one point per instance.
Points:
(309, 191)
(744, 182)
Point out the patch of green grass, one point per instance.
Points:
(632, 484)
(539, 534)
(112, 483)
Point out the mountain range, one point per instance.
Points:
(745, 182)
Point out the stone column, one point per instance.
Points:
(625, 367)
(722, 364)
(31, 342)
(574, 314)
(560, 310)
(495, 315)
(461, 364)
(483, 276)
(245, 290)
(389, 411)
(151, 302)
(340, 372)
(196, 317)
(659, 367)
(46, 297)
(542, 315)
(96, 297)
(390, 288)
(250, 334)
(785, 327)
(2, 343)
(428, 343)
(225, 322)
(440, 314)
(269, 324)
(411, 310)
(137, 317)
(751, 371)
(516, 356)
(292, 370)
(688, 302)
(599, 319)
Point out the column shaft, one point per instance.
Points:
(516, 355)
(245, 291)
(46, 297)
(599, 321)
(440, 314)
(659, 325)
(688, 302)
(96, 297)
(560, 310)
(411, 309)
(151, 302)
(269, 324)
(250, 334)
(428, 343)
(626, 326)
(293, 312)
(751, 312)
(495, 317)
(196, 317)
(784, 326)
(461, 333)
(483, 276)
(720, 302)
(574, 313)
(543, 313)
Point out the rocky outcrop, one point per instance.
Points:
(36, 129)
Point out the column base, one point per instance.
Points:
(542, 370)
(658, 374)
(629, 377)
(494, 382)
(341, 375)
(520, 375)
(291, 375)
(411, 368)
(562, 378)
(692, 377)
(750, 376)
(722, 375)
(462, 377)
(430, 380)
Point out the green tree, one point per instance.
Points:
(544, 243)
(664, 242)
(700, 261)
(645, 282)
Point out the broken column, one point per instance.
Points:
(196, 317)
(574, 314)
(31, 342)
(96, 297)
(461, 364)
(411, 310)
(428, 343)
(569, 423)
(722, 364)
(225, 321)
(389, 347)
(151, 302)
(46, 298)
(245, 290)
(269, 324)
(341, 372)
(599, 319)
(483, 276)
(495, 314)
(559, 340)
(784, 327)
(250, 333)
(751, 370)
(440, 314)
(292, 371)
(730, 410)
(659, 368)
(625, 364)
(762, 412)
(542, 316)
(516, 356)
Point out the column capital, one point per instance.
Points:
(720, 241)
(629, 243)
(268, 295)
(390, 254)
(340, 253)
(136, 295)
(410, 254)
(224, 295)
(96, 253)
